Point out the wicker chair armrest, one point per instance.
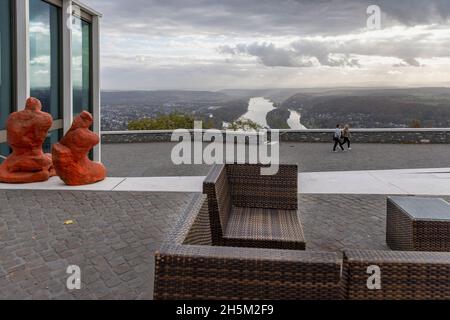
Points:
(398, 257)
(212, 177)
(242, 273)
(404, 275)
(184, 225)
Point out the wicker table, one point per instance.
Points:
(418, 224)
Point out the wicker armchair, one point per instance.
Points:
(247, 209)
(189, 267)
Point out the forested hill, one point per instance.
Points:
(377, 108)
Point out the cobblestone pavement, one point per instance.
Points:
(113, 240)
(115, 235)
(154, 159)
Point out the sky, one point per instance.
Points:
(248, 44)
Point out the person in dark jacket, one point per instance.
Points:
(337, 138)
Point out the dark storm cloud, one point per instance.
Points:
(411, 12)
(268, 54)
(332, 53)
(269, 17)
(297, 55)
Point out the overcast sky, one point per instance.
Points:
(213, 45)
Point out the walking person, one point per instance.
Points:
(337, 138)
(347, 135)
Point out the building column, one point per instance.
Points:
(96, 99)
(22, 53)
(67, 64)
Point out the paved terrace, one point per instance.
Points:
(154, 159)
(115, 234)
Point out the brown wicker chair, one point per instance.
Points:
(404, 275)
(189, 267)
(248, 209)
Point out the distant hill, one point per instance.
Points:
(121, 107)
(319, 107)
(151, 97)
(373, 108)
(276, 95)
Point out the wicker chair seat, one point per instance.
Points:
(265, 228)
(250, 210)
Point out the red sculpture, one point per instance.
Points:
(70, 155)
(27, 131)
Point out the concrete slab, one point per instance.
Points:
(422, 186)
(56, 183)
(359, 182)
(392, 182)
(163, 184)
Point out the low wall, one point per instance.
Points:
(403, 136)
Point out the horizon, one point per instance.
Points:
(293, 88)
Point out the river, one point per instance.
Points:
(294, 121)
(259, 107)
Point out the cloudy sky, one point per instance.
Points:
(219, 44)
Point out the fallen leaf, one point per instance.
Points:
(68, 222)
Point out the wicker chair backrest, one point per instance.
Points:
(216, 187)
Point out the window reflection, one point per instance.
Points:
(4, 151)
(81, 66)
(52, 138)
(5, 63)
(45, 57)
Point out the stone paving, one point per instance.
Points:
(115, 235)
(337, 222)
(113, 239)
(154, 159)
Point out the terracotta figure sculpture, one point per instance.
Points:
(70, 155)
(26, 132)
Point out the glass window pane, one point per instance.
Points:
(81, 65)
(5, 62)
(45, 56)
(4, 151)
(52, 138)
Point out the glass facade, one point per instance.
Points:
(52, 138)
(6, 105)
(81, 66)
(5, 62)
(4, 151)
(45, 56)
(46, 21)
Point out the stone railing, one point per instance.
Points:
(403, 136)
